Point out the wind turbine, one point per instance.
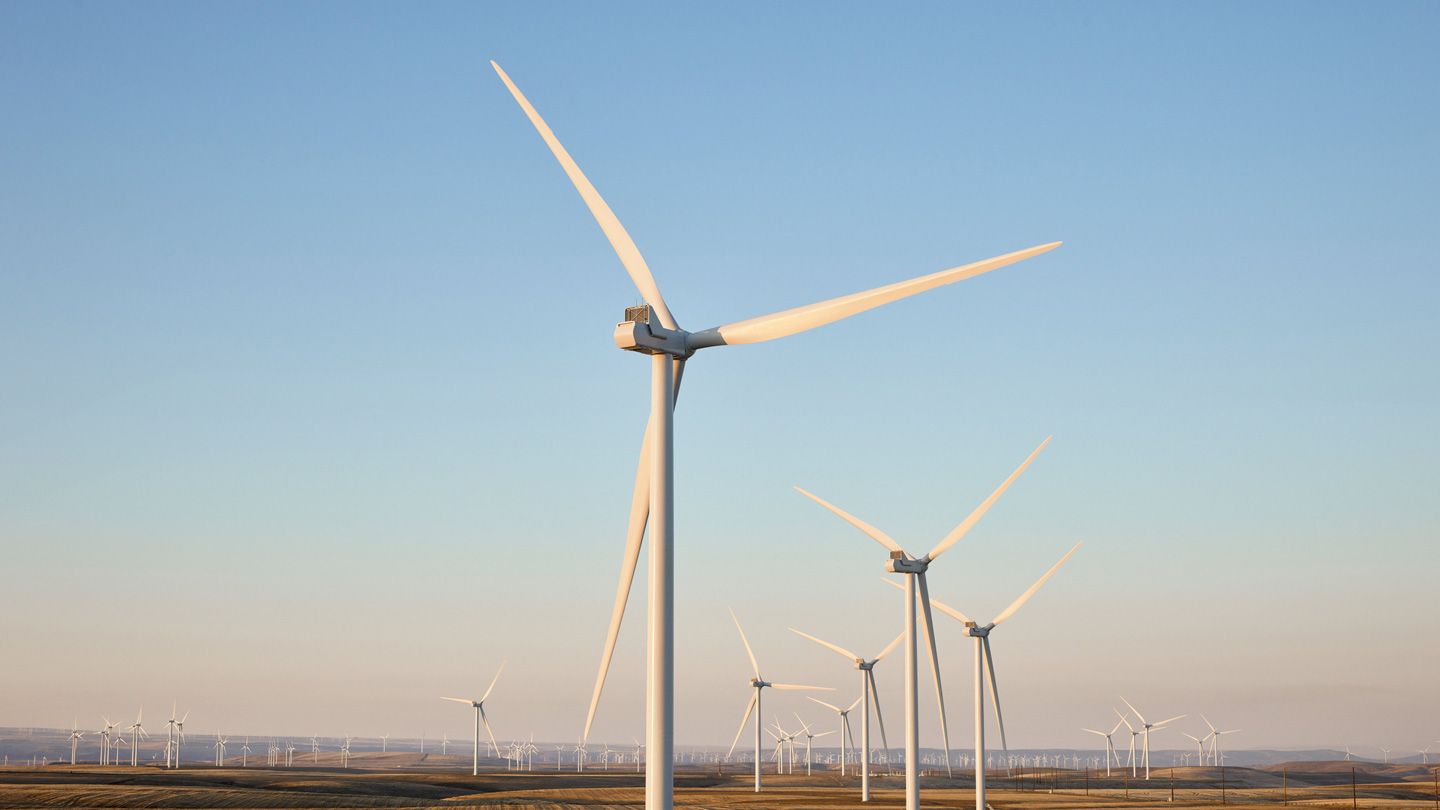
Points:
(1148, 727)
(105, 737)
(901, 562)
(480, 717)
(983, 661)
(136, 732)
(1109, 746)
(245, 754)
(652, 330)
(1387, 754)
(1199, 746)
(867, 690)
(76, 734)
(1125, 719)
(385, 738)
(845, 734)
(1215, 751)
(809, 737)
(754, 705)
(220, 750)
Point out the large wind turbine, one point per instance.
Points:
(1148, 728)
(136, 731)
(480, 717)
(75, 735)
(652, 330)
(984, 661)
(753, 706)
(1215, 751)
(901, 562)
(867, 690)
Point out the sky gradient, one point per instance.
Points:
(311, 412)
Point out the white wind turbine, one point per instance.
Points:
(754, 705)
(385, 738)
(653, 330)
(245, 754)
(106, 735)
(809, 738)
(1199, 746)
(901, 562)
(1125, 718)
(845, 735)
(1109, 746)
(985, 661)
(1148, 728)
(136, 732)
(1386, 751)
(75, 735)
(480, 717)
(867, 691)
(445, 745)
(1215, 751)
(220, 750)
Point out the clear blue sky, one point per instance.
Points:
(310, 413)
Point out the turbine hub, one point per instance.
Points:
(897, 564)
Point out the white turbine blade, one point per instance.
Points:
(772, 734)
(748, 651)
(1093, 731)
(1208, 723)
(928, 619)
(889, 649)
(858, 699)
(995, 693)
(823, 703)
(634, 540)
(750, 707)
(486, 721)
(804, 724)
(1165, 722)
(879, 536)
(959, 531)
(620, 240)
(1123, 719)
(799, 319)
(492, 682)
(1014, 606)
(841, 650)
(1133, 709)
(875, 702)
(823, 733)
(460, 700)
(793, 686)
(1196, 739)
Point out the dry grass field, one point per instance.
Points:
(411, 781)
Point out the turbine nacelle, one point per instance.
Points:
(638, 333)
(759, 684)
(901, 563)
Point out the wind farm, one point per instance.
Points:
(323, 412)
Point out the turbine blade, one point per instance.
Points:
(1163, 722)
(492, 683)
(615, 232)
(879, 536)
(799, 319)
(793, 686)
(823, 703)
(486, 721)
(748, 651)
(634, 540)
(1123, 718)
(959, 531)
(857, 701)
(750, 707)
(995, 694)
(1014, 606)
(928, 620)
(822, 734)
(875, 701)
(1208, 723)
(1133, 709)
(841, 650)
(889, 649)
(1093, 731)
(460, 700)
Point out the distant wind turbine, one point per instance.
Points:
(845, 735)
(75, 735)
(867, 691)
(1109, 746)
(1148, 727)
(754, 705)
(480, 717)
(136, 732)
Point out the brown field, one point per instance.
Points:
(412, 781)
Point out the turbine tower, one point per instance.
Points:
(754, 705)
(652, 330)
(985, 661)
(867, 690)
(479, 718)
(901, 562)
